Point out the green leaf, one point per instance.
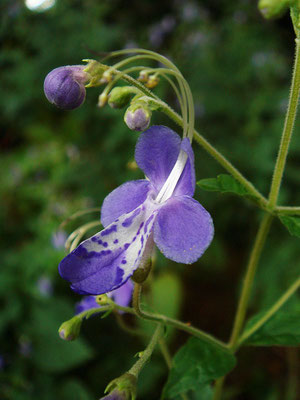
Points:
(292, 224)
(196, 364)
(225, 184)
(51, 353)
(283, 329)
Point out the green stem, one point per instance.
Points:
(279, 303)
(146, 354)
(249, 278)
(172, 322)
(287, 210)
(287, 129)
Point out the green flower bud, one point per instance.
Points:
(274, 8)
(119, 97)
(69, 330)
(124, 387)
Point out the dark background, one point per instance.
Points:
(54, 163)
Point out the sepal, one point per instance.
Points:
(122, 388)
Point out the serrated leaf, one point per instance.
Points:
(292, 224)
(283, 329)
(197, 363)
(225, 184)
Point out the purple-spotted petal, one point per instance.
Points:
(156, 153)
(183, 229)
(187, 181)
(105, 261)
(124, 199)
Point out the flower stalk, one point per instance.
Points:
(287, 129)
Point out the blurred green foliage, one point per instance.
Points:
(54, 163)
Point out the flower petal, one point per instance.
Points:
(124, 199)
(187, 181)
(123, 294)
(183, 229)
(106, 260)
(85, 304)
(156, 152)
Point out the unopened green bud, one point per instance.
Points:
(143, 76)
(138, 117)
(119, 97)
(123, 387)
(107, 76)
(103, 299)
(69, 330)
(274, 8)
(152, 82)
(102, 100)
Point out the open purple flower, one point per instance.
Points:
(160, 208)
(121, 296)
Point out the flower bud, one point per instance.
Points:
(152, 82)
(115, 395)
(137, 117)
(69, 330)
(122, 388)
(119, 97)
(273, 8)
(143, 76)
(64, 86)
(102, 99)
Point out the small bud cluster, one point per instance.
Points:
(66, 88)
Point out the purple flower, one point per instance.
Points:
(160, 208)
(121, 296)
(64, 86)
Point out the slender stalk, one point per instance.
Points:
(279, 303)
(172, 322)
(287, 210)
(249, 278)
(287, 129)
(146, 354)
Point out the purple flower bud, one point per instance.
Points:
(64, 86)
(115, 395)
(137, 118)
